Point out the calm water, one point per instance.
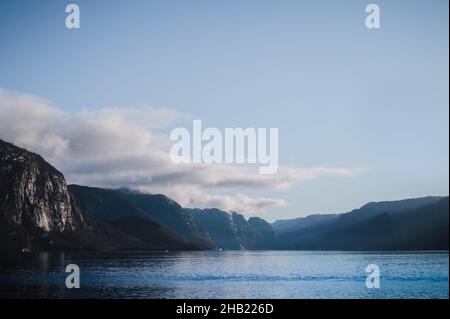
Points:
(251, 274)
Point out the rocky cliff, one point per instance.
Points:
(33, 193)
(39, 213)
(233, 231)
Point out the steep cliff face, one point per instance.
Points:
(233, 231)
(38, 212)
(34, 194)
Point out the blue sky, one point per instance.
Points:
(341, 95)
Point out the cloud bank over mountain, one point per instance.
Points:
(128, 146)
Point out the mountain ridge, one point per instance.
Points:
(395, 230)
(40, 212)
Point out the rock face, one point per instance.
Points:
(233, 231)
(33, 193)
(38, 212)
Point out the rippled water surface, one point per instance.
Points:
(228, 274)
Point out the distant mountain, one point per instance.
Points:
(374, 208)
(289, 225)
(38, 212)
(233, 231)
(422, 225)
(366, 211)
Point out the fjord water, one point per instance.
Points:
(229, 274)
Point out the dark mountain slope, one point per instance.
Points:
(420, 228)
(357, 215)
(166, 212)
(218, 225)
(117, 208)
(112, 204)
(156, 236)
(39, 213)
(104, 204)
(233, 231)
(288, 225)
(374, 208)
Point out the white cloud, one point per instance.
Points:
(114, 147)
(195, 196)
